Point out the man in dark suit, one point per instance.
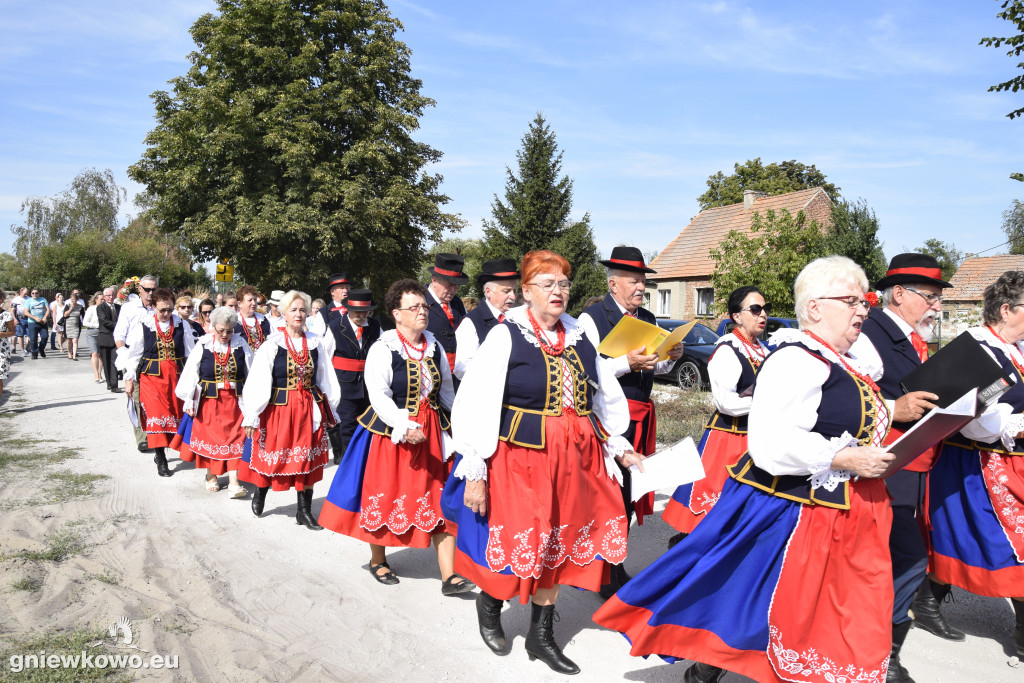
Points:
(351, 334)
(445, 308)
(106, 314)
(894, 341)
(627, 280)
(497, 280)
(337, 289)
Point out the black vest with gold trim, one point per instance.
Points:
(288, 376)
(212, 375)
(735, 424)
(533, 389)
(156, 350)
(847, 405)
(406, 383)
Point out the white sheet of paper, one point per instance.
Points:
(133, 417)
(674, 466)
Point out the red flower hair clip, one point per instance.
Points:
(872, 298)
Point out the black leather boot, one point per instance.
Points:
(335, 437)
(540, 641)
(897, 673)
(927, 612)
(619, 578)
(488, 615)
(303, 512)
(703, 673)
(1018, 632)
(259, 497)
(674, 541)
(161, 463)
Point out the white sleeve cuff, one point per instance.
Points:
(1015, 427)
(822, 474)
(253, 422)
(471, 468)
(614, 447)
(399, 431)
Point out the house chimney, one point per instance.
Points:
(749, 196)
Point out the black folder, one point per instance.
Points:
(959, 366)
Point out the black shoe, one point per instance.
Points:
(35, 356)
(488, 615)
(897, 673)
(388, 578)
(161, 463)
(674, 541)
(337, 457)
(42, 352)
(1018, 631)
(703, 673)
(540, 641)
(303, 514)
(619, 578)
(144, 448)
(259, 497)
(116, 390)
(927, 612)
(450, 587)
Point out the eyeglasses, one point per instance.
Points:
(550, 285)
(146, 289)
(165, 310)
(851, 301)
(186, 308)
(261, 303)
(930, 298)
(757, 309)
(205, 311)
(415, 308)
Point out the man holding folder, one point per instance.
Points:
(635, 370)
(893, 342)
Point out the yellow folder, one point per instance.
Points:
(633, 333)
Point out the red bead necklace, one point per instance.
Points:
(222, 361)
(862, 377)
(555, 349)
(756, 349)
(255, 338)
(409, 348)
(300, 359)
(1009, 352)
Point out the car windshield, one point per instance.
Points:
(700, 335)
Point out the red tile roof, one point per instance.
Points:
(975, 274)
(688, 255)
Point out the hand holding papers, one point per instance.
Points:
(633, 333)
(932, 428)
(676, 465)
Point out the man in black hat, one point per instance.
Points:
(445, 308)
(893, 341)
(337, 287)
(498, 281)
(627, 280)
(349, 338)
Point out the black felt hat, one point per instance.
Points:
(498, 269)
(449, 267)
(627, 258)
(910, 269)
(337, 279)
(359, 300)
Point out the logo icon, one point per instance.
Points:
(124, 627)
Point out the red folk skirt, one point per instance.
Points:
(554, 515)
(217, 434)
(286, 451)
(161, 409)
(400, 499)
(721, 449)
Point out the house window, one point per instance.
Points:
(705, 297)
(945, 316)
(664, 302)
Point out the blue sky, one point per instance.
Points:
(648, 99)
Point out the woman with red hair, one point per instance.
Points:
(530, 422)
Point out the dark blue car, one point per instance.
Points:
(691, 371)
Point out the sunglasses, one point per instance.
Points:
(165, 310)
(146, 289)
(756, 309)
(206, 311)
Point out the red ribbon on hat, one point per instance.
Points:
(635, 264)
(934, 273)
(513, 274)
(449, 273)
(358, 303)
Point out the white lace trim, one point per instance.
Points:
(313, 341)
(390, 339)
(573, 330)
(471, 469)
(404, 425)
(789, 334)
(613, 448)
(1012, 429)
(212, 343)
(822, 474)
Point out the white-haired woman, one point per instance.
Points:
(210, 388)
(789, 576)
(287, 406)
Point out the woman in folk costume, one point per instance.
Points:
(252, 325)
(211, 387)
(732, 369)
(789, 577)
(542, 508)
(976, 487)
(287, 407)
(157, 348)
(387, 490)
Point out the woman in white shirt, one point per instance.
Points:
(91, 324)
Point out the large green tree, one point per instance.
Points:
(777, 248)
(536, 214)
(775, 178)
(948, 256)
(1013, 12)
(288, 145)
(854, 234)
(470, 248)
(1013, 226)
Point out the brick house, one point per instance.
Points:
(961, 303)
(682, 286)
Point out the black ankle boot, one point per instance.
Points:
(1018, 632)
(335, 438)
(703, 673)
(897, 673)
(161, 463)
(619, 578)
(488, 614)
(259, 497)
(927, 612)
(540, 641)
(303, 513)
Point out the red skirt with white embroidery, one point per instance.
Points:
(217, 434)
(286, 451)
(161, 409)
(554, 515)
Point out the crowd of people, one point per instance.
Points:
(498, 435)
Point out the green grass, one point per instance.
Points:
(26, 583)
(108, 576)
(681, 415)
(60, 545)
(21, 454)
(71, 486)
(68, 642)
